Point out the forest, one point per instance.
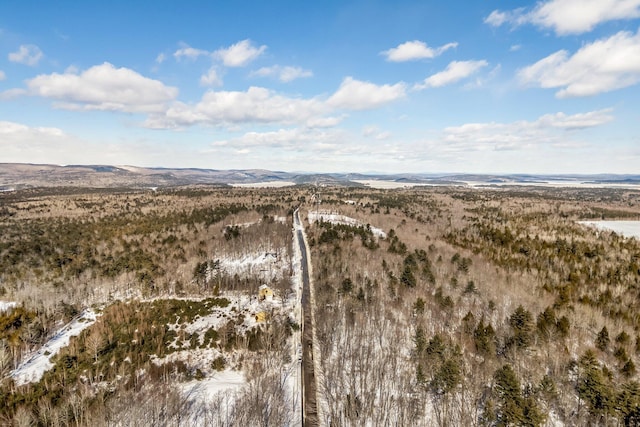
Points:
(480, 307)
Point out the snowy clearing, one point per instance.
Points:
(242, 310)
(390, 185)
(341, 219)
(626, 228)
(549, 183)
(7, 306)
(33, 368)
(266, 184)
(201, 391)
(266, 265)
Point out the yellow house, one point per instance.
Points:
(265, 293)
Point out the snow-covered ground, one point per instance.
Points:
(242, 310)
(267, 265)
(33, 367)
(230, 383)
(220, 381)
(390, 185)
(341, 219)
(266, 184)
(626, 228)
(7, 305)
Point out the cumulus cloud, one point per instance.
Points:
(239, 54)
(2, 75)
(550, 128)
(282, 138)
(455, 71)
(324, 122)
(413, 50)
(27, 54)
(358, 95)
(103, 87)
(212, 78)
(284, 74)
(256, 105)
(602, 66)
(17, 129)
(261, 105)
(568, 16)
(188, 52)
(21, 143)
(161, 58)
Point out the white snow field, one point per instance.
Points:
(33, 367)
(626, 228)
(7, 306)
(266, 184)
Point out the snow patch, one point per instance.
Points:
(202, 390)
(341, 219)
(6, 306)
(265, 184)
(265, 265)
(626, 228)
(34, 367)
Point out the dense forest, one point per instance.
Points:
(478, 307)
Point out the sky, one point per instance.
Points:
(332, 86)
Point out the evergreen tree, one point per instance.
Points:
(602, 340)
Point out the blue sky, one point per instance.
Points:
(334, 86)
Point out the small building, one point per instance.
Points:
(265, 293)
(261, 317)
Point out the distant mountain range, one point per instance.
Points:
(22, 175)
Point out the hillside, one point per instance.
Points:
(22, 175)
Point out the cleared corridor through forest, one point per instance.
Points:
(309, 406)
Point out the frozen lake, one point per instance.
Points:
(626, 228)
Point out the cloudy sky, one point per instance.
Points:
(326, 86)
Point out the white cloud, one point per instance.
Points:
(256, 105)
(261, 105)
(239, 54)
(2, 75)
(358, 95)
(20, 130)
(373, 131)
(12, 93)
(547, 129)
(515, 48)
(324, 122)
(103, 87)
(602, 66)
(568, 16)
(212, 78)
(416, 49)
(161, 58)
(284, 74)
(497, 18)
(577, 121)
(22, 143)
(483, 80)
(28, 54)
(455, 71)
(189, 52)
(296, 144)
